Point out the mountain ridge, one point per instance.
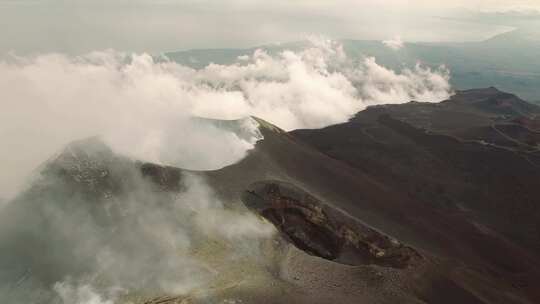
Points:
(426, 175)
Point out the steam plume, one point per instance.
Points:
(142, 107)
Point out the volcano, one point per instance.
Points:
(408, 203)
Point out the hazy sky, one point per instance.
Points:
(79, 26)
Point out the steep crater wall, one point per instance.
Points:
(322, 230)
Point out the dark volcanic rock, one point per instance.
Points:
(468, 171)
(322, 230)
(166, 177)
(476, 161)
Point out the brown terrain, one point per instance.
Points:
(410, 203)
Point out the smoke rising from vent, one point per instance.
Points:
(137, 243)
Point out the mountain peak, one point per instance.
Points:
(87, 150)
(493, 101)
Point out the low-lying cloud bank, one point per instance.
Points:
(143, 107)
(394, 43)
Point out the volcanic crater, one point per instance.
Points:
(324, 231)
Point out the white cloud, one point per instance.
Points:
(243, 58)
(395, 43)
(144, 108)
(79, 294)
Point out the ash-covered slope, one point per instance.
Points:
(477, 155)
(467, 170)
(457, 181)
(413, 203)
